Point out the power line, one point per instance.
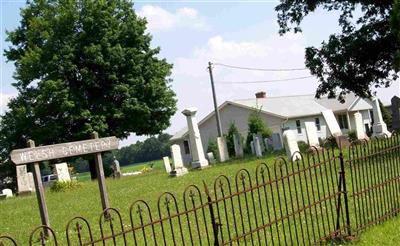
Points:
(260, 69)
(262, 81)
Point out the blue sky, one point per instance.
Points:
(191, 33)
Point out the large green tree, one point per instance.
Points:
(83, 66)
(360, 56)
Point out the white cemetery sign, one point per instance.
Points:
(311, 131)
(33, 155)
(332, 123)
(58, 151)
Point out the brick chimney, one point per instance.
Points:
(261, 94)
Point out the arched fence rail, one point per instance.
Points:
(323, 195)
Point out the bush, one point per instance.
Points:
(63, 186)
(229, 138)
(352, 136)
(303, 146)
(213, 147)
(146, 169)
(256, 125)
(329, 142)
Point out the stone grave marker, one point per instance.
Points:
(222, 149)
(211, 158)
(62, 172)
(25, 181)
(395, 113)
(179, 169)
(7, 192)
(359, 127)
(276, 141)
(116, 168)
(379, 128)
(167, 164)
(291, 146)
(252, 148)
(196, 147)
(311, 132)
(257, 146)
(237, 141)
(332, 123)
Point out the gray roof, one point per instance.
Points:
(287, 107)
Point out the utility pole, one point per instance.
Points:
(215, 100)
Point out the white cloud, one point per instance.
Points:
(160, 19)
(4, 99)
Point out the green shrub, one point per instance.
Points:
(233, 130)
(329, 142)
(213, 147)
(146, 169)
(352, 136)
(303, 146)
(62, 186)
(256, 125)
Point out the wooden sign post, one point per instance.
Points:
(37, 177)
(35, 155)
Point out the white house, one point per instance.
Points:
(280, 113)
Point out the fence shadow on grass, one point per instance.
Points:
(319, 197)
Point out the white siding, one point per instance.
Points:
(291, 124)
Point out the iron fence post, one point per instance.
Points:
(214, 223)
(346, 202)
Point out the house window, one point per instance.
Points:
(186, 147)
(317, 124)
(342, 120)
(298, 126)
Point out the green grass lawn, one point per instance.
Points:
(20, 215)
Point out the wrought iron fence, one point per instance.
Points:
(319, 197)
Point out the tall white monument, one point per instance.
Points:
(379, 127)
(198, 157)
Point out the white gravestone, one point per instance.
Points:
(7, 192)
(379, 128)
(268, 144)
(179, 169)
(252, 147)
(291, 146)
(211, 158)
(257, 146)
(25, 182)
(332, 123)
(167, 164)
(311, 131)
(222, 149)
(262, 145)
(198, 157)
(359, 128)
(116, 168)
(237, 142)
(62, 172)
